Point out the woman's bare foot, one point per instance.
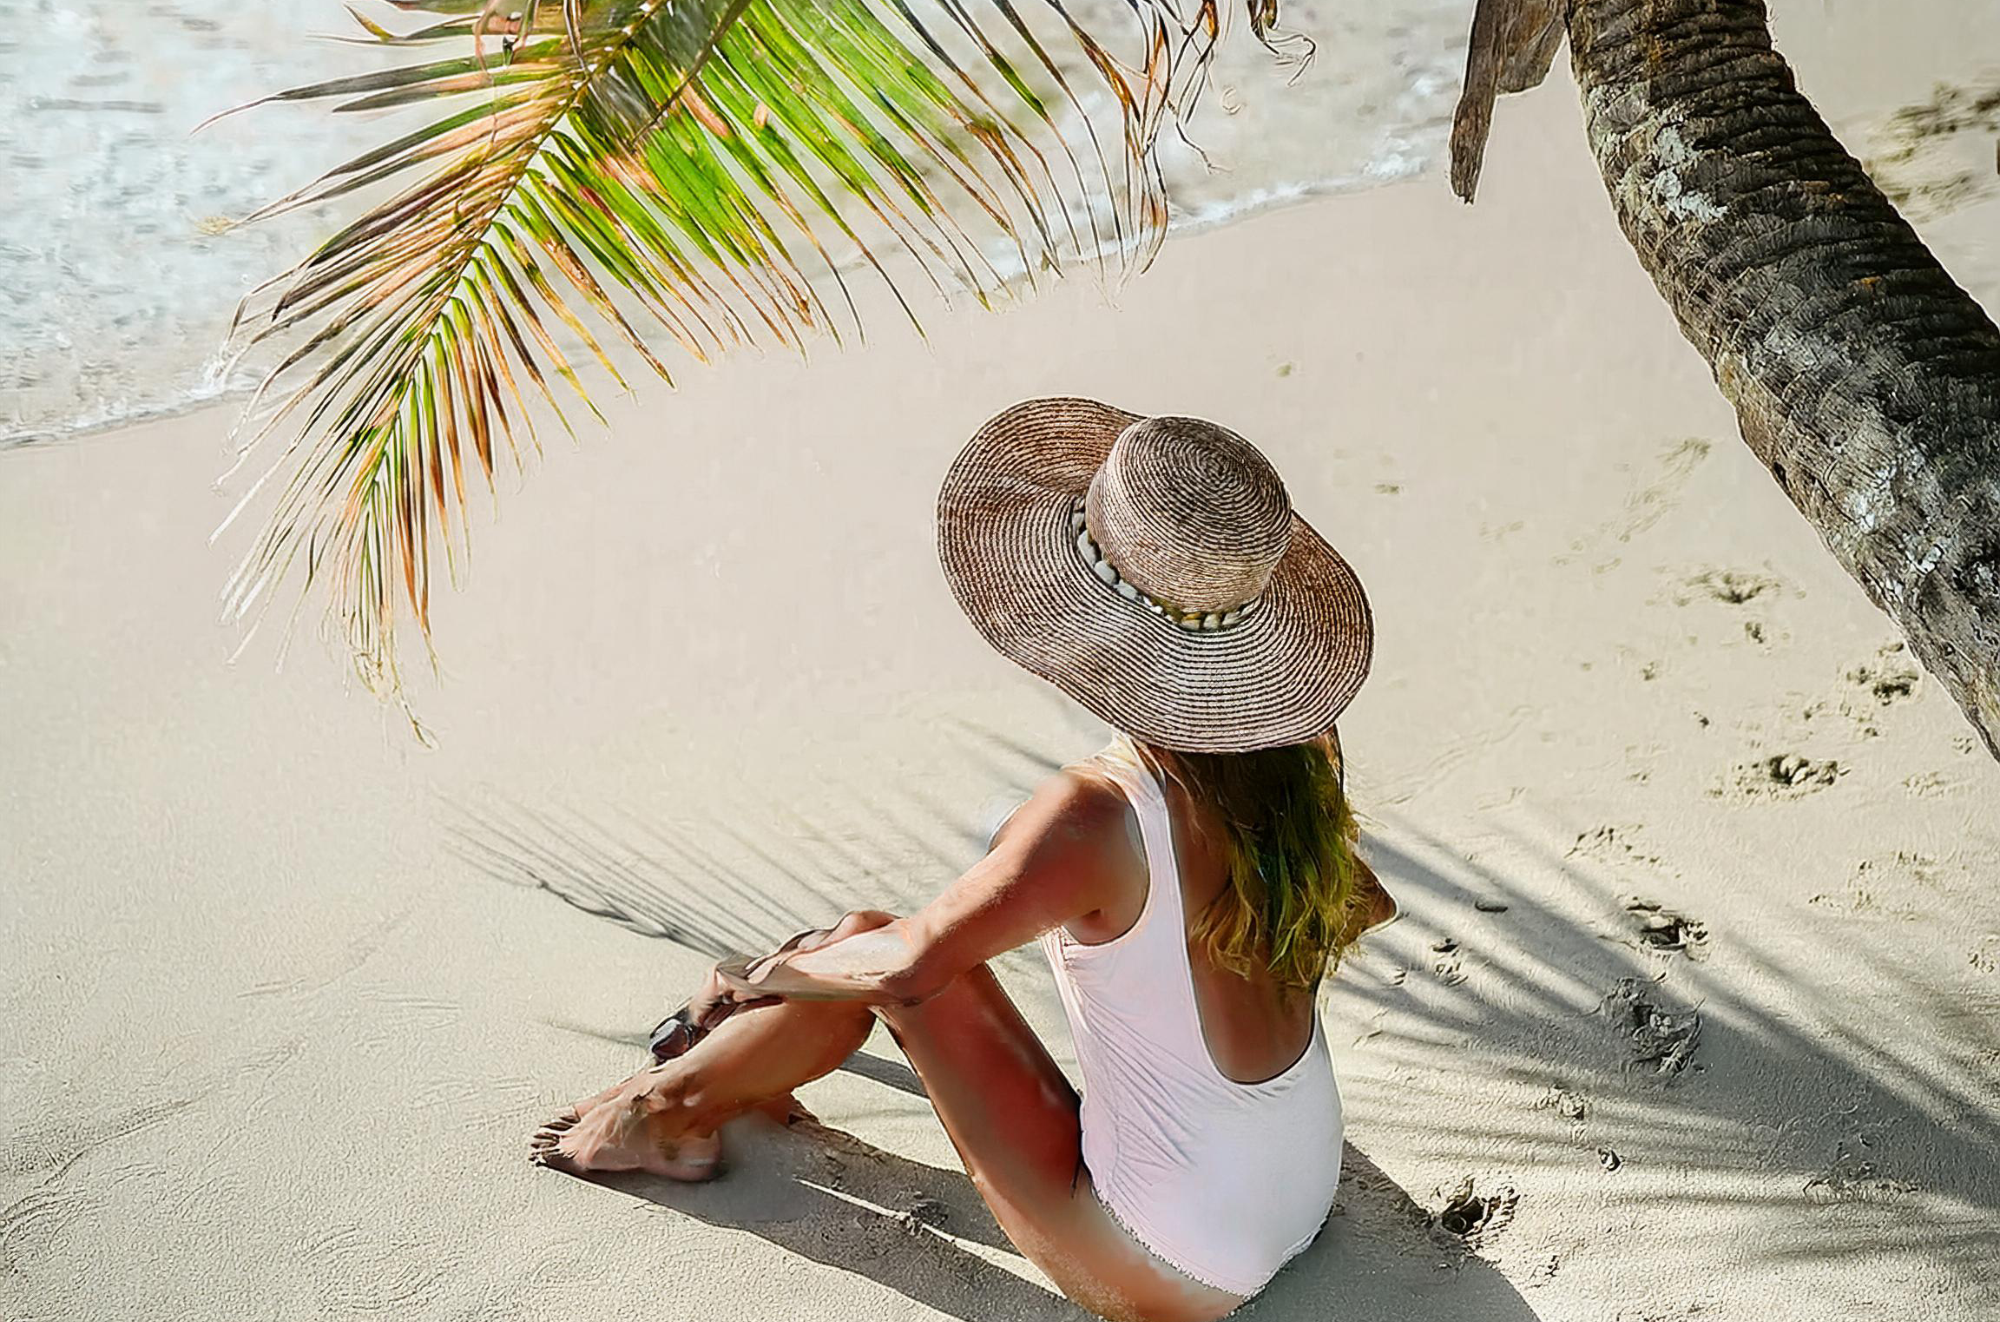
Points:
(618, 1130)
(578, 1145)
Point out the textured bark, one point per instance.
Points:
(1865, 379)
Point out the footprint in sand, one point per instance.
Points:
(1472, 1217)
(1570, 1105)
(1778, 776)
(1905, 876)
(1871, 881)
(1858, 901)
(1612, 844)
(1649, 925)
(1887, 679)
(1890, 677)
(1936, 156)
(921, 1212)
(1736, 589)
(1447, 964)
(1985, 957)
(1855, 1173)
(1728, 586)
(1929, 785)
(1659, 1038)
(1657, 928)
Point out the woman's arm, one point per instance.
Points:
(1069, 851)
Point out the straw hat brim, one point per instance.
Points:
(1282, 675)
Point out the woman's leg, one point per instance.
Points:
(663, 1119)
(1009, 1111)
(1016, 1124)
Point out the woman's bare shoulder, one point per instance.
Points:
(1076, 804)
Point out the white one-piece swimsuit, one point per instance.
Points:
(1223, 1180)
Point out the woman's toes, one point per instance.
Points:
(542, 1143)
(542, 1147)
(578, 1153)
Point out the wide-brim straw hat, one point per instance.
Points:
(1154, 570)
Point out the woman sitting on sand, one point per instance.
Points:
(1190, 885)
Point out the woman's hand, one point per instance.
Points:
(715, 1000)
(1070, 850)
(859, 958)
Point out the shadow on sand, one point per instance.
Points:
(1803, 1123)
(1517, 1027)
(839, 1201)
(923, 1232)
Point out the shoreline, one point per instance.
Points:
(1078, 272)
(1881, 113)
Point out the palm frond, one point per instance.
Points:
(634, 171)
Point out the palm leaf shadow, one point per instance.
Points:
(670, 890)
(833, 1198)
(677, 895)
(1814, 1108)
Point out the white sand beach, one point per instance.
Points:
(1699, 986)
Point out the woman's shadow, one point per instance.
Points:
(837, 1200)
(923, 1232)
(831, 1198)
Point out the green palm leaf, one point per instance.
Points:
(626, 170)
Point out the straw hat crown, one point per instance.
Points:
(1189, 513)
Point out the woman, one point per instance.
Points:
(1189, 885)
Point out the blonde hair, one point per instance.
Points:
(1295, 881)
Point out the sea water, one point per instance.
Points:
(120, 263)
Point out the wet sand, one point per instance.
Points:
(1693, 1014)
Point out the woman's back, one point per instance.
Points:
(1223, 1178)
(1253, 1025)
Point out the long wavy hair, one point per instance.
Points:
(1296, 885)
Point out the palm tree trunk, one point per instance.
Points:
(1865, 379)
